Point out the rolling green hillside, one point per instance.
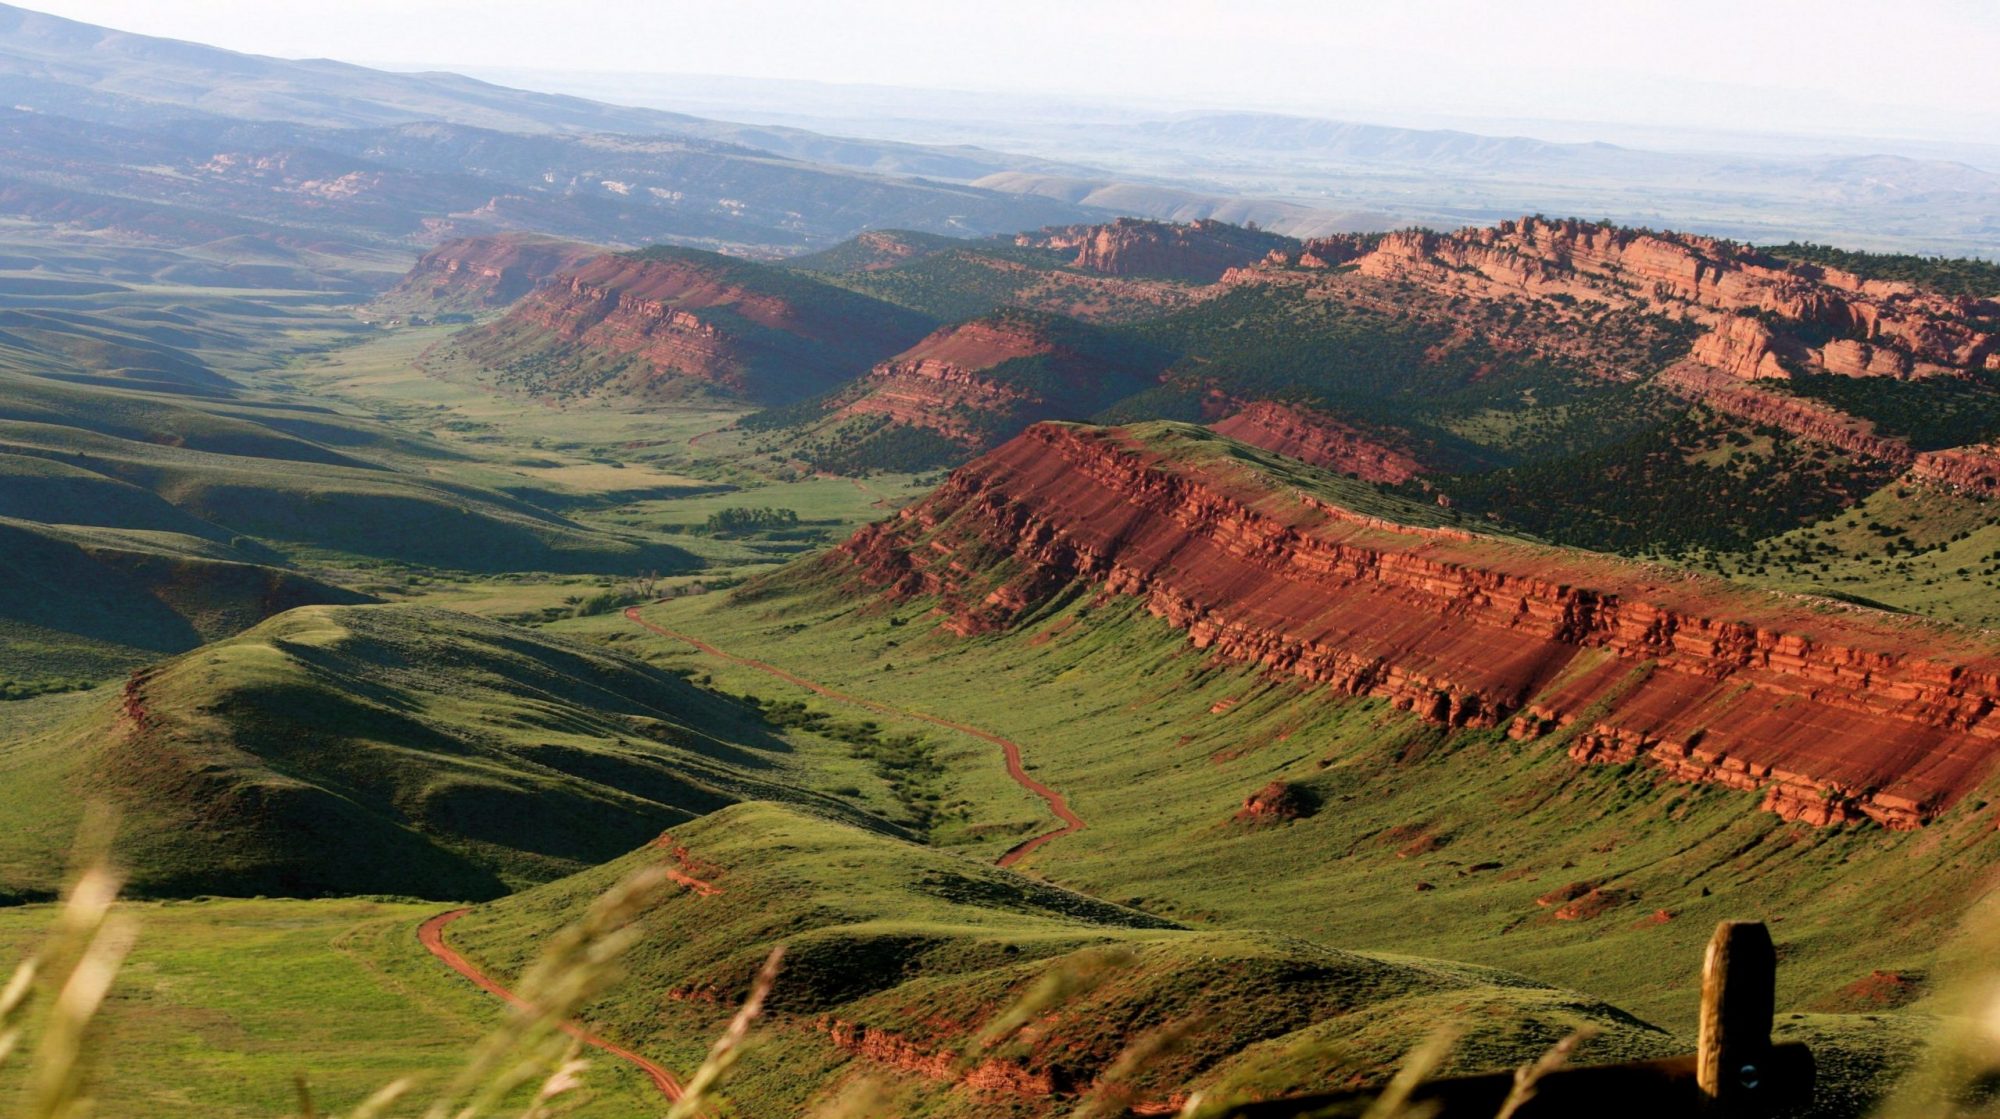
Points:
(81, 603)
(386, 749)
(897, 955)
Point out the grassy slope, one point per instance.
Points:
(79, 602)
(438, 754)
(927, 946)
(1122, 721)
(223, 1002)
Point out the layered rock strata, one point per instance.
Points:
(1865, 327)
(481, 273)
(1323, 440)
(1835, 713)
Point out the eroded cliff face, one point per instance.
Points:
(657, 320)
(982, 381)
(942, 383)
(1322, 440)
(1836, 713)
(481, 273)
(1199, 252)
(1970, 470)
(1756, 309)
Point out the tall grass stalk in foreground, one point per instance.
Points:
(579, 964)
(78, 964)
(728, 1049)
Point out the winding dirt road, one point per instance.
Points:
(1010, 749)
(431, 935)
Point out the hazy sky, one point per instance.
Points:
(1907, 67)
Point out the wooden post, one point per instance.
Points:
(1739, 986)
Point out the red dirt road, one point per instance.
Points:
(431, 935)
(1010, 749)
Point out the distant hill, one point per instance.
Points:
(965, 388)
(670, 322)
(482, 273)
(117, 132)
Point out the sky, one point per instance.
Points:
(1909, 68)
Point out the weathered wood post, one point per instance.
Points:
(1739, 990)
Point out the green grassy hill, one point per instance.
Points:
(916, 950)
(81, 603)
(386, 749)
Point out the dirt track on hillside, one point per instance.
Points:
(1072, 823)
(431, 935)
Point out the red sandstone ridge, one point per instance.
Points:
(1198, 253)
(667, 321)
(1755, 309)
(1323, 440)
(1835, 713)
(1806, 419)
(480, 273)
(982, 381)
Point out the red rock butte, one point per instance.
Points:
(490, 271)
(1836, 713)
(667, 315)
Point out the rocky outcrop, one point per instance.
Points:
(992, 1075)
(1759, 312)
(1835, 713)
(483, 273)
(1323, 440)
(941, 383)
(982, 381)
(1724, 392)
(668, 321)
(1743, 347)
(1973, 470)
(1199, 252)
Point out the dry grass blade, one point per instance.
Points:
(81, 960)
(723, 1055)
(1425, 1059)
(1073, 977)
(1527, 1076)
(864, 1098)
(307, 1110)
(1113, 1093)
(578, 964)
(378, 1105)
(567, 1078)
(13, 997)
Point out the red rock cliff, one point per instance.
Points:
(957, 380)
(1199, 252)
(1836, 713)
(479, 273)
(1323, 440)
(1879, 328)
(668, 316)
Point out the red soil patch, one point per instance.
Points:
(686, 867)
(1881, 990)
(1275, 803)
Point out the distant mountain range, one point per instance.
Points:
(453, 156)
(187, 143)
